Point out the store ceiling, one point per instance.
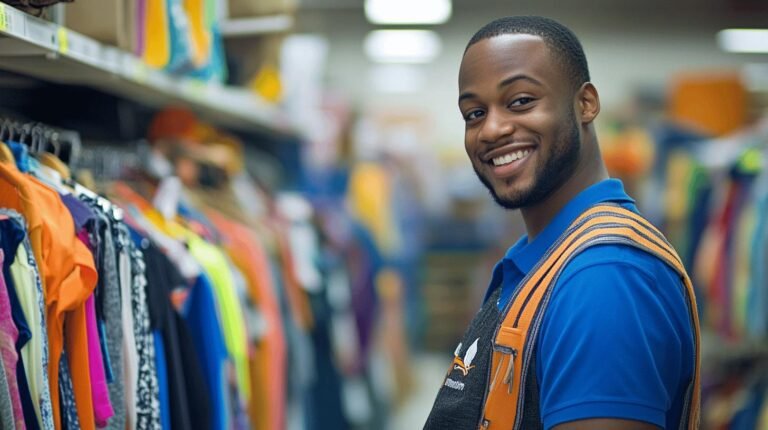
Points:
(735, 5)
(635, 49)
(738, 11)
(631, 43)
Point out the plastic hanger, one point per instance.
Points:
(52, 160)
(25, 132)
(6, 155)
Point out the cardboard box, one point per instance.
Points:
(112, 22)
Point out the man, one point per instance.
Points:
(612, 340)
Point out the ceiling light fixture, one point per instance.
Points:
(402, 46)
(408, 12)
(744, 40)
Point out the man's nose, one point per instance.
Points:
(496, 126)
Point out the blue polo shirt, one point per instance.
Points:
(616, 341)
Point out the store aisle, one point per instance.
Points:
(428, 371)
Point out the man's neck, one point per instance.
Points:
(537, 217)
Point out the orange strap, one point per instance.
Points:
(517, 334)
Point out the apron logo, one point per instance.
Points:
(465, 364)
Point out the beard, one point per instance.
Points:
(559, 164)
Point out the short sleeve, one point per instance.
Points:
(615, 341)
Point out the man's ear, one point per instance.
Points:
(588, 103)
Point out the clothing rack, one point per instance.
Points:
(38, 137)
(164, 310)
(717, 204)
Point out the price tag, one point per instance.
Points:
(63, 37)
(3, 18)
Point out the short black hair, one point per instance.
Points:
(560, 39)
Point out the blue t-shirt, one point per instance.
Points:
(616, 340)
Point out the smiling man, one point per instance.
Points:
(589, 321)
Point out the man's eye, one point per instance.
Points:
(475, 114)
(522, 101)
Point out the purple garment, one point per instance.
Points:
(363, 263)
(8, 336)
(140, 35)
(81, 213)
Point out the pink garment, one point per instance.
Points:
(102, 406)
(8, 336)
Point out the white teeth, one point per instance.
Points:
(508, 158)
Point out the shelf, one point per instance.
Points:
(243, 27)
(47, 51)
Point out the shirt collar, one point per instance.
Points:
(525, 255)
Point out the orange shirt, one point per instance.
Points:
(68, 275)
(297, 297)
(267, 407)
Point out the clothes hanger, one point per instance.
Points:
(52, 160)
(6, 155)
(25, 131)
(68, 147)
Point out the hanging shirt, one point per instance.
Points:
(21, 154)
(233, 322)
(147, 389)
(69, 418)
(268, 367)
(7, 420)
(35, 353)
(102, 406)
(8, 337)
(200, 313)
(757, 301)
(162, 380)
(82, 215)
(185, 382)
(111, 314)
(85, 223)
(67, 270)
(130, 351)
(11, 235)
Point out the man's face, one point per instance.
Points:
(521, 133)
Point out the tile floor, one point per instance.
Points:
(428, 373)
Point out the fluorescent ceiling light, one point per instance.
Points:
(402, 46)
(744, 40)
(408, 11)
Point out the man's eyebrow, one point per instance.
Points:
(465, 96)
(512, 79)
(509, 81)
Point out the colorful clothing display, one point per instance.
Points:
(717, 190)
(200, 309)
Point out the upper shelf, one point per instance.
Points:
(38, 48)
(240, 27)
